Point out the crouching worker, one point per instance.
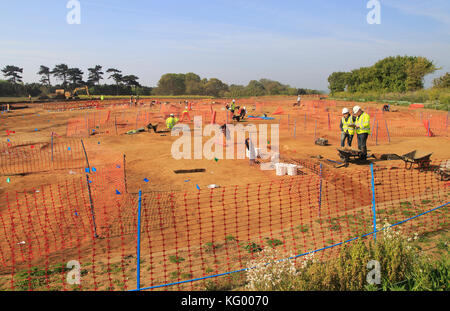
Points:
(242, 113)
(152, 127)
(171, 121)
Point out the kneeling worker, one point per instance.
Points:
(362, 125)
(171, 121)
(347, 128)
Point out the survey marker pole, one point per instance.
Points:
(373, 204)
(138, 256)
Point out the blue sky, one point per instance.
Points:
(297, 42)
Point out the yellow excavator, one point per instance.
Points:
(62, 94)
(73, 94)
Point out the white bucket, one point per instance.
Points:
(292, 169)
(280, 169)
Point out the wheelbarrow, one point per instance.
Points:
(443, 171)
(415, 157)
(347, 155)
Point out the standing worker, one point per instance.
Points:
(347, 128)
(171, 121)
(362, 125)
(233, 106)
(251, 150)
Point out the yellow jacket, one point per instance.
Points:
(346, 125)
(363, 124)
(170, 122)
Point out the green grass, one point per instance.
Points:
(174, 274)
(405, 204)
(186, 275)
(252, 247)
(230, 238)
(211, 246)
(38, 277)
(176, 259)
(303, 228)
(273, 242)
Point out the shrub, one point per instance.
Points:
(402, 267)
(267, 273)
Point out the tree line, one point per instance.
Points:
(169, 84)
(391, 74)
(193, 84)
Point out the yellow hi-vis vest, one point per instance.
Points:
(170, 122)
(363, 122)
(346, 125)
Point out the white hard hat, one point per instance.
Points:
(171, 114)
(234, 100)
(344, 111)
(356, 109)
(245, 108)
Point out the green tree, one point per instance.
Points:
(172, 84)
(236, 90)
(442, 82)
(61, 72)
(95, 75)
(12, 73)
(337, 81)
(391, 74)
(75, 76)
(215, 87)
(45, 72)
(193, 84)
(416, 70)
(131, 81)
(255, 88)
(116, 75)
(274, 87)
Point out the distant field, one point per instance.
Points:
(15, 99)
(26, 99)
(147, 96)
